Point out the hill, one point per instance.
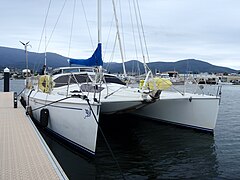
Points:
(15, 58)
(182, 66)
(195, 66)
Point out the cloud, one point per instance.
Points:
(174, 29)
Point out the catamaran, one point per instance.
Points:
(69, 101)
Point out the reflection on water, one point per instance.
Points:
(154, 150)
(144, 149)
(74, 164)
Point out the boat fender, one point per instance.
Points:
(29, 111)
(44, 114)
(23, 102)
(190, 99)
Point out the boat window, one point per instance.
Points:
(91, 88)
(87, 69)
(113, 79)
(72, 70)
(72, 78)
(57, 71)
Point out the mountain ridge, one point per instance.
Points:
(16, 58)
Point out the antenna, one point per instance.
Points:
(25, 47)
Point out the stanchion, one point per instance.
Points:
(15, 99)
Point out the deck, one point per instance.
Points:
(23, 152)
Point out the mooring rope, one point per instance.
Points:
(105, 139)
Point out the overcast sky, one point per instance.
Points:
(207, 30)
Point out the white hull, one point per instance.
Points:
(70, 119)
(197, 111)
(120, 106)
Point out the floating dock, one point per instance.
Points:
(23, 152)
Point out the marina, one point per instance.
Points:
(69, 110)
(69, 101)
(24, 154)
(149, 149)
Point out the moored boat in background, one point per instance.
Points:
(190, 110)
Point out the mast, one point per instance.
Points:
(99, 21)
(119, 40)
(45, 54)
(100, 30)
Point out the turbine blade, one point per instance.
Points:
(22, 43)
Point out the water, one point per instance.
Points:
(150, 150)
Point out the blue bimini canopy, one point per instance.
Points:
(94, 60)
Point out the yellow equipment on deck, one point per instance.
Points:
(45, 83)
(156, 83)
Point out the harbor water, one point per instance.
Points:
(151, 150)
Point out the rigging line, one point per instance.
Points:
(44, 26)
(123, 40)
(113, 92)
(140, 38)
(109, 32)
(56, 23)
(105, 139)
(134, 38)
(112, 54)
(51, 103)
(21, 91)
(45, 53)
(73, 15)
(172, 87)
(43, 30)
(89, 32)
(144, 37)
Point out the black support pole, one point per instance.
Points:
(6, 79)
